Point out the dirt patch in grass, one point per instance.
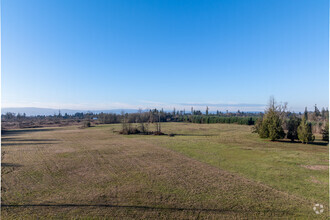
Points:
(315, 167)
(314, 180)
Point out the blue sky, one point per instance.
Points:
(228, 54)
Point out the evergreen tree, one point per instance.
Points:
(323, 113)
(305, 134)
(325, 132)
(292, 126)
(306, 114)
(317, 111)
(275, 127)
(271, 126)
(250, 121)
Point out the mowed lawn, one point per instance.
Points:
(206, 171)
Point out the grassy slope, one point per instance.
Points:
(69, 172)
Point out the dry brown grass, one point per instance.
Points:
(95, 173)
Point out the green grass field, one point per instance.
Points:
(206, 171)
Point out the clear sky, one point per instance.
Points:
(228, 54)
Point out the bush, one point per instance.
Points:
(158, 133)
(257, 126)
(128, 129)
(87, 124)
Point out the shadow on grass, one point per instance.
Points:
(15, 144)
(299, 142)
(146, 208)
(196, 135)
(10, 165)
(27, 140)
(319, 143)
(22, 131)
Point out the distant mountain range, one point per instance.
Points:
(30, 111)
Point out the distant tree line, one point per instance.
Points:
(275, 123)
(205, 119)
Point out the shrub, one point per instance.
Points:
(129, 130)
(257, 126)
(87, 124)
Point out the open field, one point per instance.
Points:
(206, 171)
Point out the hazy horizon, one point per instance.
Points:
(185, 107)
(232, 107)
